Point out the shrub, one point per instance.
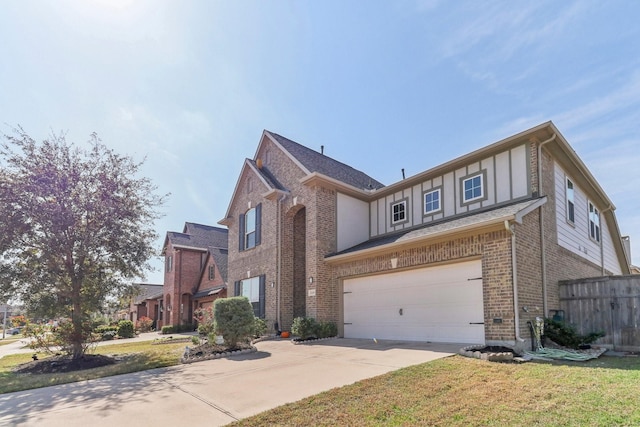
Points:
(167, 329)
(327, 329)
(259, 327)
(305, 327)
(108, 335)
(106, 328)
(18, 320)
(206, 322)
(60, 339)
(125, 329)
(234, 319)
(144, 324)
(566, 335)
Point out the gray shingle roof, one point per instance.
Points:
(146, 291)
(459, 222)
(267, 175)
(220, 257)
(316, 162)
(207, 292)
(200, 236)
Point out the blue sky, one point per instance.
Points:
(382, 85)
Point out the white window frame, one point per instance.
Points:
(404, 212)
(212, 272)
(595, 231)
(464, 188)
(251, 289)
(570, 201)
(426, 211)
(250, 229)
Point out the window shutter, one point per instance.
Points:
(258, 223)
(237, 289)
(241, 233)
(261, 313)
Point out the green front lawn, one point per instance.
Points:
(459, 391)
(9, 339)
(140, 356)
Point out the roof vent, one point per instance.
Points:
(259, 163)
(322, 149)
(402, 173)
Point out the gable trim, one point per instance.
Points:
(266, 133)
(247, 165)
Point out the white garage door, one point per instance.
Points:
(439, 304)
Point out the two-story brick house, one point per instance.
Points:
(195, 272)
(468, 251)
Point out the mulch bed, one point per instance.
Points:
(56, 364)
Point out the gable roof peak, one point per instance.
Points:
(311, 161)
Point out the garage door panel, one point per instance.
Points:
(429, 304)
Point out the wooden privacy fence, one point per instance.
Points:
(610, 304)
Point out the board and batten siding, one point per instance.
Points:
(353, 227)
(575, 237)
(506, 178)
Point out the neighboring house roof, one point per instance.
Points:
(320, 163)
(146, 291)
(220, 258)
(198, 236)
(459, 224)
(208, 292)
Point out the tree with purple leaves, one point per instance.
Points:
(76, 224)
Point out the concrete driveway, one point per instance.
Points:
(215, 392)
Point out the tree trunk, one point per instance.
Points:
(77, 337)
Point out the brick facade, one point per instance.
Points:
(299, 223)
(180, 284)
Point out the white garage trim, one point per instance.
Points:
(440, 304)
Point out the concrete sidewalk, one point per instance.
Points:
(215, 392)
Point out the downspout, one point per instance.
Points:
(543, 251)
(179, 292)
(279, 262)
(601, 240)
(514, 272)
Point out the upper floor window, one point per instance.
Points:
(473, 188)
(432, 201)
(212, 272)
(169, 263)
(399, 212)
(250, 228)
(594, 222)
(571, 207)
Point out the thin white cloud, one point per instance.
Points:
(617, 100)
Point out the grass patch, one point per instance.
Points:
(459, 391)
(10, 339)
(138, 356)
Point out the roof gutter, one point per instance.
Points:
(383, 248)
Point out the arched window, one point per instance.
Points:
(249, 228)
